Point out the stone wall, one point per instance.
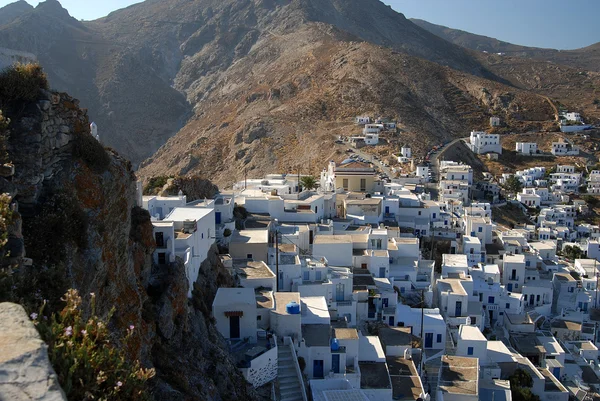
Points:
(25, 370)
(41, 142)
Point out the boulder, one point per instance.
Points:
(25, 370)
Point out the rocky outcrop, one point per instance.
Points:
(25, 370)
(80, 221)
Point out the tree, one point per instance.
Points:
(512, 184)
(520, 386)
(309, 182)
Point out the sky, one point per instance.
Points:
(556, 24)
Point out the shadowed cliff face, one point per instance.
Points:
(77, 202)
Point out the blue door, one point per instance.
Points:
(387, 210)
(335, 363)
(428, 340)
(391, 321)
(556, 372)
(218, 217)
(382, 272)
(509, 287)
(458, 310)
(318, 369)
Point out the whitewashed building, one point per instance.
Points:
(527, 148)
(481, 143)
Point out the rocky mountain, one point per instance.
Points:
(140, 71)
(472, 41)
(587, 58)
(258, 83)
(13, 11)
(79, 226)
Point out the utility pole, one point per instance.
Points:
(596, 273)
(422, 319)
(276, 260)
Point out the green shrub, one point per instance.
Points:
(91, 152)
(88, 364)
(22, 82)
(155, 184)
(226, 232)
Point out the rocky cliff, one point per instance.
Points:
(82, 228)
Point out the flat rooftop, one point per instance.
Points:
(470, 333)
(345, 334)
(565, 324)
(454, 260)
(332, 239)
(250, 237)
(459, 375)
(396, 336)
(188, 213)
(316, 335)
(451, 284)
(252, 270)
(226, 296)
(374, 375)
(264, 299)
(284, 298)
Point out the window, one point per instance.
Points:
(507, 305)
(473, 320)
(345, 184)
(419, 212)
(306, 276)
(480, 229)
(249, 256)
(516, 285)
(470, 351)
(439, 338)
(318, 276)
(259, 317)
(434, 214)
(490, 300)
(525, 297)
(363, 184)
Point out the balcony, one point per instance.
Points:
(343, 303)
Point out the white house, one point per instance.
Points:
(371, 139)
(187, 233)
(529, 197)
(471, 343)
(593, 186)
(434, 327)
(564, 149)
(234, 310)
(406, 151)
(494, 121)
(481, 143)
(527, 148)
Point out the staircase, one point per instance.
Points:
(432, 368)
(289, 382)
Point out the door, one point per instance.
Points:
(318, 369)
(531, 299)
(387, 210)
(458, 309)
(234, 327)
(162, 258)
(335, 363)
(311, 237)
(509, 287)
(382, 272)
(339, 291)
(391, 321)
(556, 372)
(160, 240)
(218, 217)
(428, 340)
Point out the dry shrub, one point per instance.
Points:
(22, 82)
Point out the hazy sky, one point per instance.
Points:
(541, 23)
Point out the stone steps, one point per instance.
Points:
(287, 376)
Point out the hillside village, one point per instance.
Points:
(343, 292)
